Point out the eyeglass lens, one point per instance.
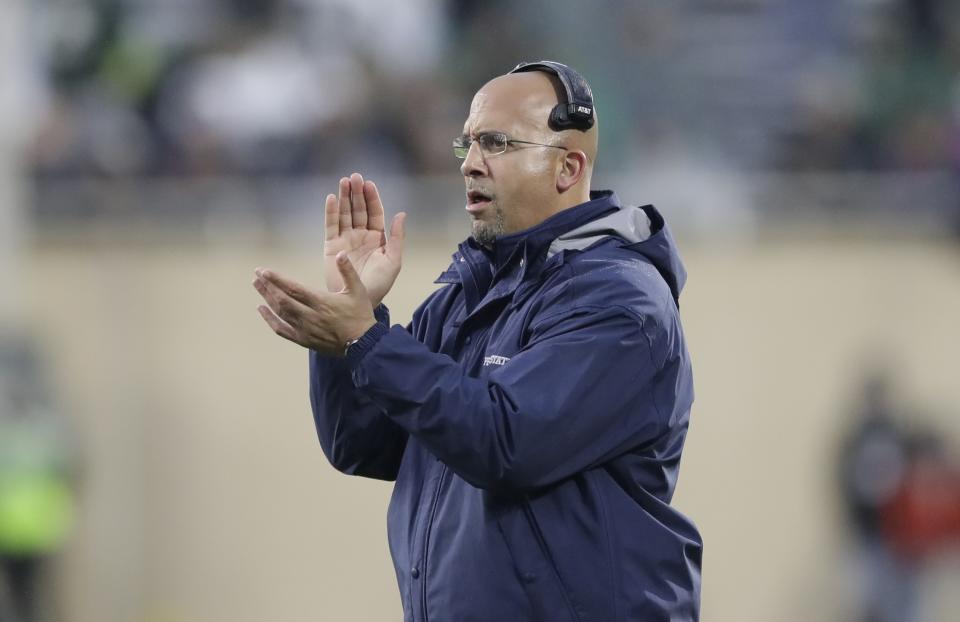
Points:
(490, 144)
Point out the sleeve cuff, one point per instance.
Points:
(382, 313)
(357, 351)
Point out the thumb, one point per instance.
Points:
(351, 280)
(397, 235)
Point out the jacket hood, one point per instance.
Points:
(644, 231)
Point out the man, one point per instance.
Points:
(534, 411)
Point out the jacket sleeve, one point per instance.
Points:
(356, 436)
(580, 393)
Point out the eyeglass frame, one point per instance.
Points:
(465, 142)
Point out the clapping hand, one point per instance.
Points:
(360, 265)
(319, 320)
(355, 224)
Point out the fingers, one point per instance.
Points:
(398, 234)
(358, 206)
(331, 223)
(371, 195)
(279, 326)
(358, 212)
(346, 220)
(286, 308)
(351, 280)
(288, 286)
(328, 321)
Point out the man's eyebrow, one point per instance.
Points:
(482, 132)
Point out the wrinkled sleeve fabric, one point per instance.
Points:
(575, 396)
(355, 434)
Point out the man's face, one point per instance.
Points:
(514, 190)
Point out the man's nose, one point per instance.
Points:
(474, 164)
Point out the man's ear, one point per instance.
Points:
(572, 169)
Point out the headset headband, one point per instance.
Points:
(576, 113)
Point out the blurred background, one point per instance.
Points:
(158, 461)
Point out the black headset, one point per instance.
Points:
(576, 113)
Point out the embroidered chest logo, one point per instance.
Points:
(495, 359)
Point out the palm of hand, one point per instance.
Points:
(367, 251)
(355, 225)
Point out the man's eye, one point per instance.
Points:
(491, 141)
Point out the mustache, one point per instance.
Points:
(474, 187)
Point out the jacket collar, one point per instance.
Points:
(516, 255)
(530, 244)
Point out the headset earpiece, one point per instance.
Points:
(576, 113)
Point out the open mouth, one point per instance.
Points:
(477, 199)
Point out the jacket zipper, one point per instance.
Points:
(542, 542)
(426, 539)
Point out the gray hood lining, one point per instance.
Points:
(629, 222)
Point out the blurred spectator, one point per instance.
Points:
(902, 496)
(36, 502)
(873, 458)
(923, 518)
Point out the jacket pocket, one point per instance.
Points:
(534, 566)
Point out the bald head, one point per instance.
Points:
(533, 94)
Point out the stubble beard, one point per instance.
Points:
(486, 233)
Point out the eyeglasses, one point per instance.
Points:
(491, 143)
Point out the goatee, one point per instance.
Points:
(486, 233)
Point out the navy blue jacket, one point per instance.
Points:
(533, 416)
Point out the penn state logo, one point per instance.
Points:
(495, 359)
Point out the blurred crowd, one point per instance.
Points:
(890, 100)
(899, 482)
(297, 87)
(214, 87)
